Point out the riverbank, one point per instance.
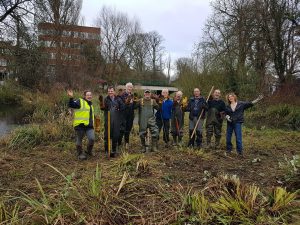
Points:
(42, 182)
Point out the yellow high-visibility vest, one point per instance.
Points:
(82, 115)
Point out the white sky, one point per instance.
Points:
(180, 22)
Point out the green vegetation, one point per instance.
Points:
(10, 94)
(281, 116)
(226, 200)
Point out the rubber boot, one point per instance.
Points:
(89, 150)
(180, 141)
(113, 150)
(208, 143)
(81, 155)
(175, 141)
(143, 142)
(198, 139)
(154, 144)
(191, 140)
(217, 143)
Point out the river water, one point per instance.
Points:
(10, 118)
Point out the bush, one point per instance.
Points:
(10, 94)
(276, 116)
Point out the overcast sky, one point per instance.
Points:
(180, 22)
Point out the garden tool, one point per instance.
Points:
(202, 111)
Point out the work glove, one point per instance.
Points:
(204, 105)
(185, 102)
(260, 97)
(101, 103)
(228, 118)
(100, 99)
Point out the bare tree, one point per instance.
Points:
(58, 11)
(156, 50)
(8, 7)
(116, 30)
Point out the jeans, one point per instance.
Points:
(165, 125)
(88, 132)
(237, 129)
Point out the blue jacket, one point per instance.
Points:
(165, 111)
(237, 116)
(195, 110)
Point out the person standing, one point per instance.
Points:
(146, 107)
(83, 122)
(235, 118)
(163, 115)
(127, 116)
(195, 106)
(113, 104)
(177, 118)
(214, 118)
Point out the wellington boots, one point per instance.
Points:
(175, 143)
(217, 143)
(81, 155)
(144, 147)
(114, 150)
(154, 144)
(191, 140)
(180, 141)
(89, 150)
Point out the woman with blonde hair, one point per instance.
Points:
(235, 118)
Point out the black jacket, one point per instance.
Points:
(191, 108)
(237, 116)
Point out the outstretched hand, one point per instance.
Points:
(70, 93)
(260, 97)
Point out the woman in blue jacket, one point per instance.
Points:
(235, 118)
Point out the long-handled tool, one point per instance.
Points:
(108, 133)
(202, 111)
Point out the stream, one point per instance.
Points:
(10, 118)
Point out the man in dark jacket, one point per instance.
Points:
(127, 116)
(163, 115)
(214, 118)
(113, 104)
(195, 106)
(83, 122)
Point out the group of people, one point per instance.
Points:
(158, 113)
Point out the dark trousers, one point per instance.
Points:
(237, 129)
(126, 127)
(213, 129)
(165, 125)
(114, 137)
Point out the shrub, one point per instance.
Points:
(10, 94)
(276, 116)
